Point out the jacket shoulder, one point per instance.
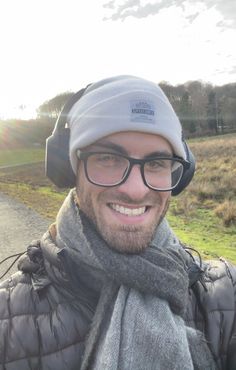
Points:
(213, 310)
(230, 270)
(41, 326)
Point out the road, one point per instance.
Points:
(19, 225)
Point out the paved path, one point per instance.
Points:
(19, 225)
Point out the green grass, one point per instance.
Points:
(204, 215)
(205, 232)
(192, 214)
(20, 156)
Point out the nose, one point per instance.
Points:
(134, 186)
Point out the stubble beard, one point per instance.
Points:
(128, 239)
(125, 238)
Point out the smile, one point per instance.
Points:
(128, 211)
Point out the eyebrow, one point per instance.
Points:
(112, 146)
(160, 153)
(120, 149)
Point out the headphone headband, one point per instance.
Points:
(62, 118)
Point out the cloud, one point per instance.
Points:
(228, 11)
(232, 70)
(110, 5)
(140, 9)
(136, 9)
(123, 10)
(191, 18)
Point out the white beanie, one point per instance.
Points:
(122, 103)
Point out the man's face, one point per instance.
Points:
(126, 216)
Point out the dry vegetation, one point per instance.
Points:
(203, 216)
(214, 184)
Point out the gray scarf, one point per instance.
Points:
(138, 323)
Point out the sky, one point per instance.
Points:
(52, 46)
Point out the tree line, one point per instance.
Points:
(202, 108)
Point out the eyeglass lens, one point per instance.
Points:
(110, 169)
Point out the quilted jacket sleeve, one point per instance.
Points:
(212, 310)
(231, 360)
(40, 329)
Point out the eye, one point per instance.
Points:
(108, 159)
(158, 164)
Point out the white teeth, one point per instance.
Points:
(128, 211)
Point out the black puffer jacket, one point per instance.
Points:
(45, 316)
(212, 310)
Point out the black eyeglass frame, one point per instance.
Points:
(132, 161)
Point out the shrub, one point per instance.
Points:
(227, 212)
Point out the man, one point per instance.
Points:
(109, 286)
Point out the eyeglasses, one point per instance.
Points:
(160, 173)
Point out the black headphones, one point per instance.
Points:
(57, 163)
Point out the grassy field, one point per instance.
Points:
(203, 216)
(19, 156)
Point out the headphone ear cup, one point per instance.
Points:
(57, 162)
(188, 173)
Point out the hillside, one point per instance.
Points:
(203, 216)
